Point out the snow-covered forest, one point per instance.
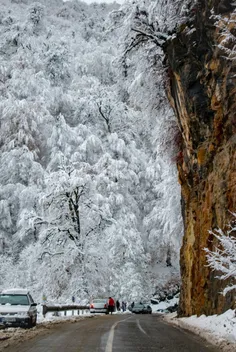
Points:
(89, 197)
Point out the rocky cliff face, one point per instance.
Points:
(202, 91)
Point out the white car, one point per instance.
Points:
(17, 308)
(99, 305)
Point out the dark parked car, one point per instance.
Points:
(141, 308)
(17, 308)
(173, 308)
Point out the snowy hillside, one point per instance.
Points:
(89, 199)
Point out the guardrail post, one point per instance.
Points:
(44, 310)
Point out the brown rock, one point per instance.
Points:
(202, 92)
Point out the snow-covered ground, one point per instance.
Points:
(220, 330)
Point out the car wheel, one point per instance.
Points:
(30, 323)
(35, 322)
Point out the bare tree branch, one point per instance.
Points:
(50, 254)
(156, 36)
(106, 118)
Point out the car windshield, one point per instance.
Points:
(14, 299)
(139, 305)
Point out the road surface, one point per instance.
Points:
(115, 333)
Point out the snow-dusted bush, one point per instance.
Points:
(223, 257)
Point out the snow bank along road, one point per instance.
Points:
(115, 333)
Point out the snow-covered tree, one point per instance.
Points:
(222, 258)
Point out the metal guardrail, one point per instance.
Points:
(64, 309)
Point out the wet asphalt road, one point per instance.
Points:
(115, 333)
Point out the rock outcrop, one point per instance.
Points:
(202, 91)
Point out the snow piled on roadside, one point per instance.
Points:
(220, 330)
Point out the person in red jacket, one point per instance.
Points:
(111, 305)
